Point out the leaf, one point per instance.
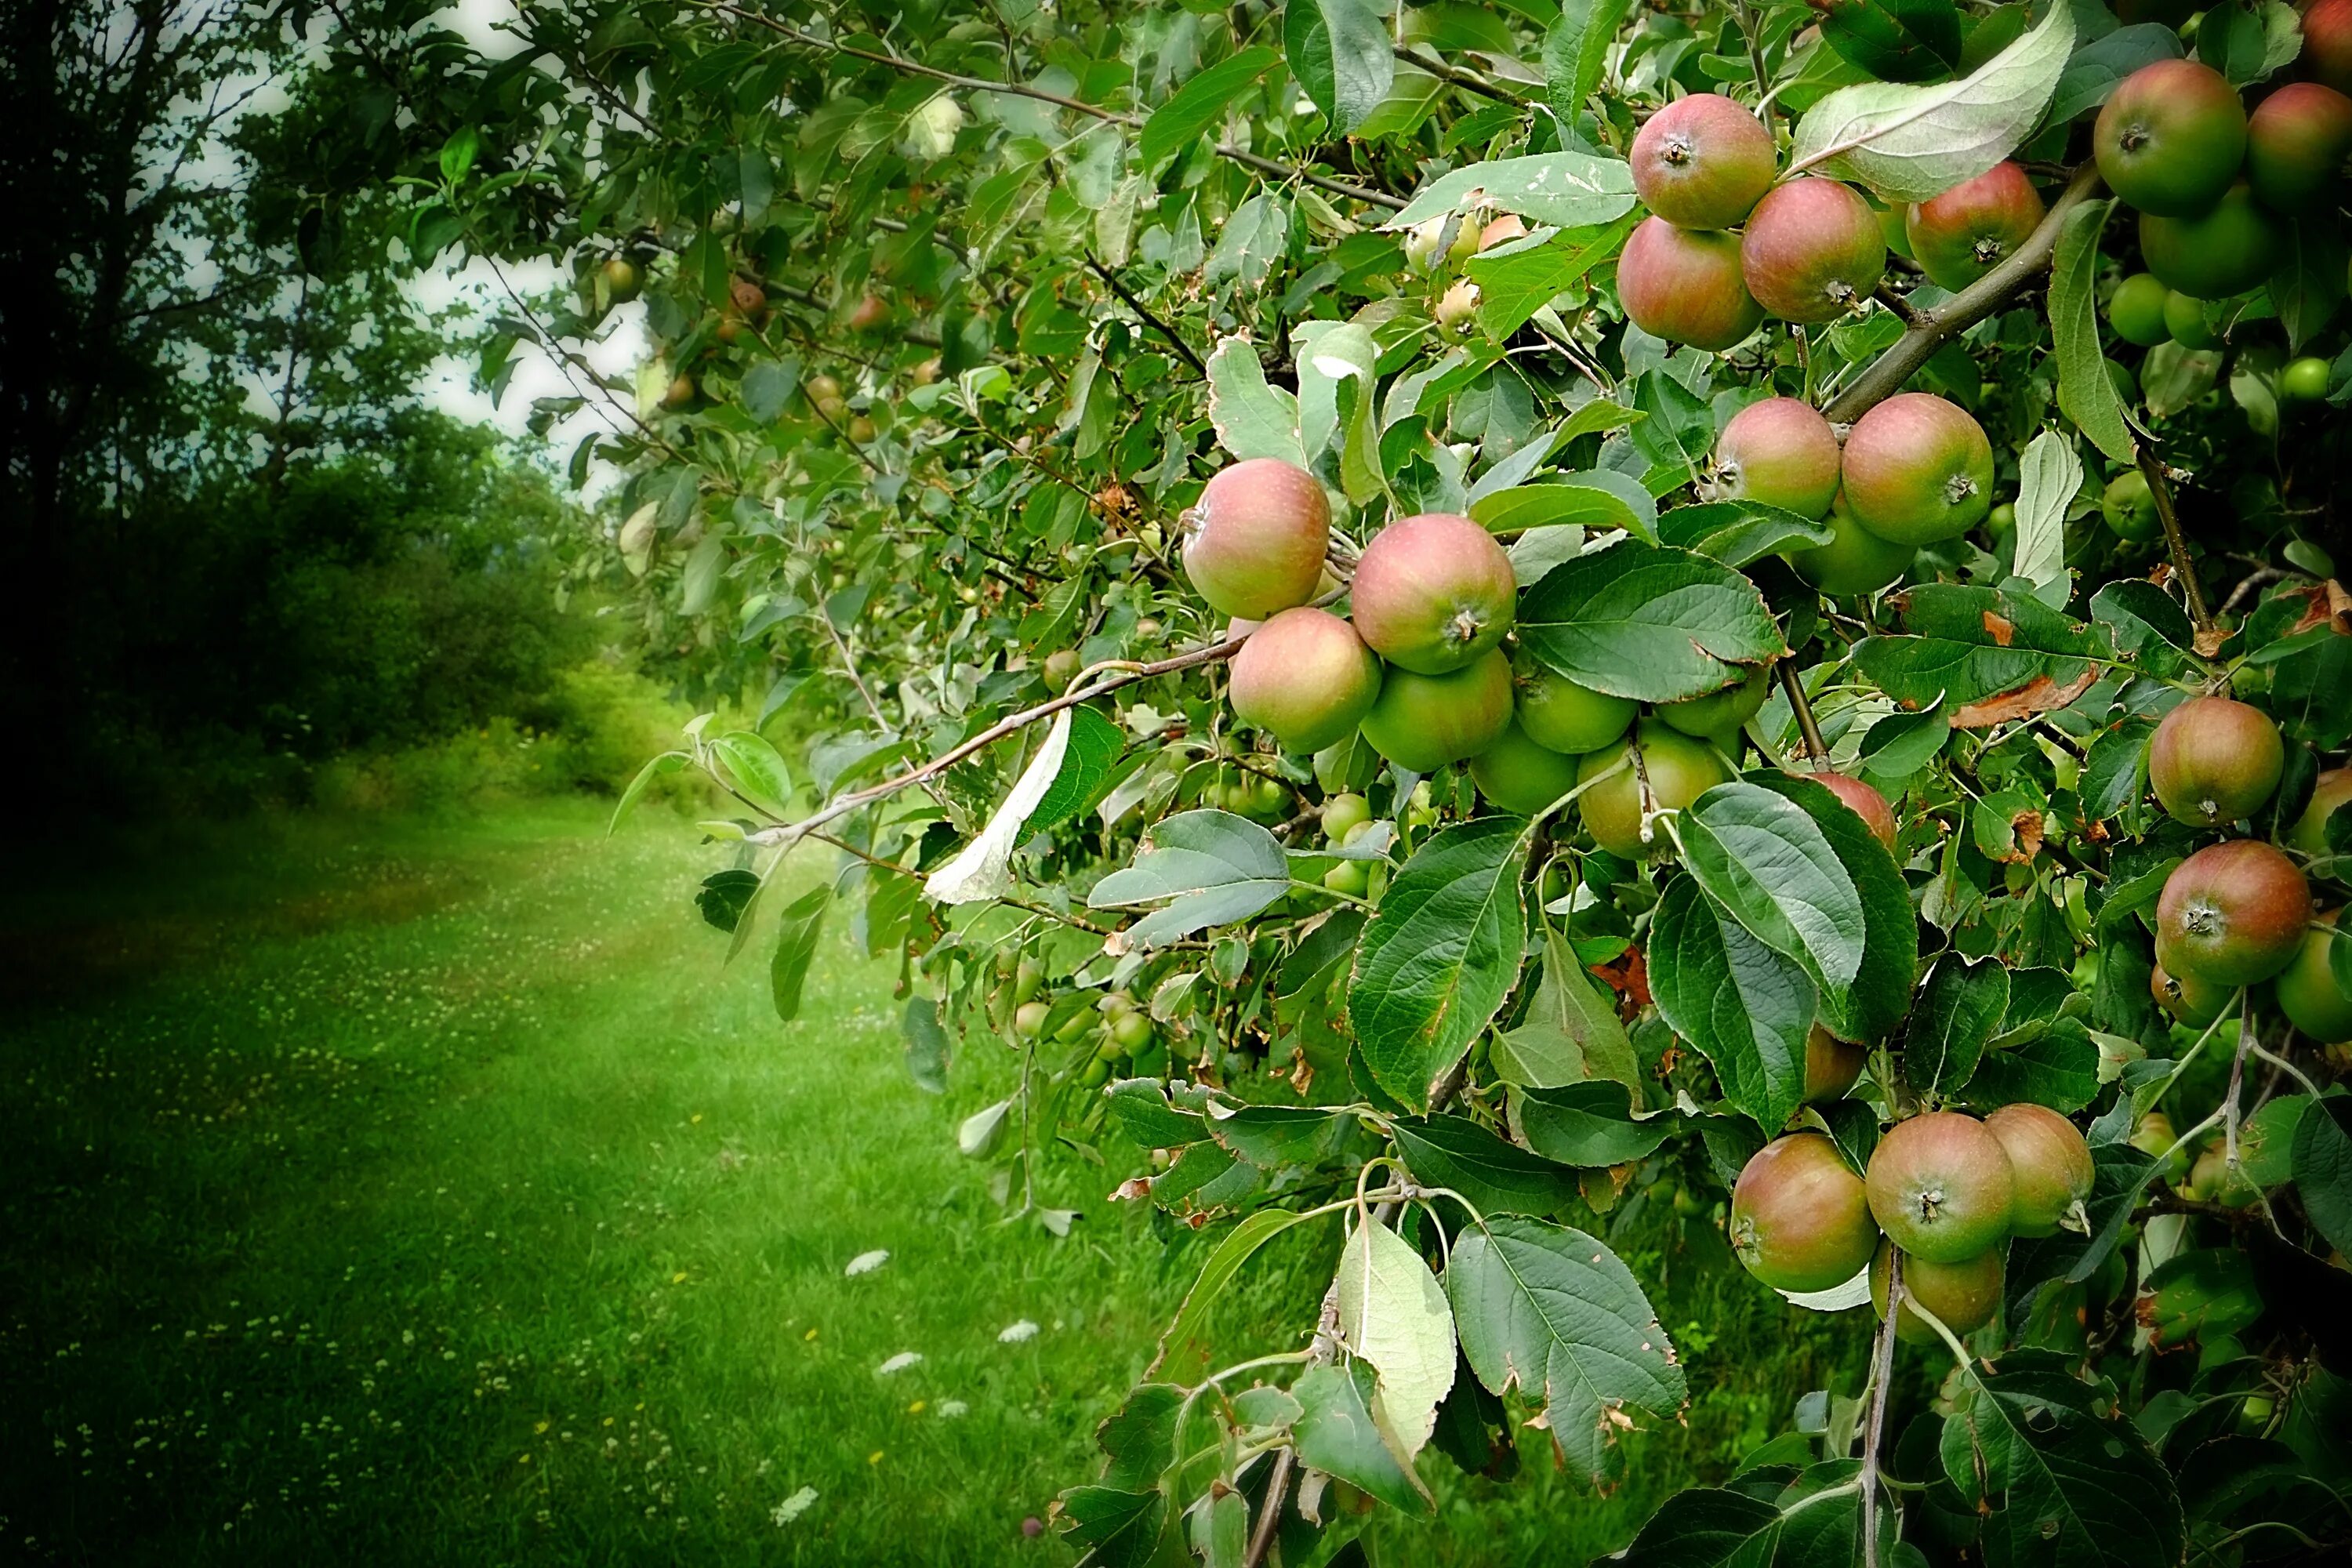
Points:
(1565, 189)
(927, 1045)
(2246, 43)
(983, 869)
(1141, 1107)
(1571, 1032)
(1958, 1011)
(2059, 1069)
(1271, 1136)
(1971, 643)
(1553, 1312)
(2146, 622)
(1737, 532)
(1252, 419)
(657, 767)
(1393, 1313)
(1186, 1342)
(1440, 955)
(2172, 378)
(1200, 103)
(724, 895)
(1909, 143)
(1589, 1124)
(1252, 237)
(800, 925)
(1212, 866)
(1896, 40)
(1338, 384)
(1495, 1177)
(1339, 53)
(1518, 278)
(1706, 1527)
(1739, 1004)
(1576, 52)
(1598, 500)
(2064, 1479)
(2048, 475)
(1094, 746)
(2308, 286)
(1117, 1529)
(749, 763)
(1900, 744)
(1762, 857)
(1881, 993)
(1642, 621)
(2323, 1168)
(2094, 71)
(1338, 1433)
(2115, 773)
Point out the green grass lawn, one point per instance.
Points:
(420, 1192)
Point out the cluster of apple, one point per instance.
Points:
(1110, 1030)
(1419, 668)
(2240, 913)
(1945, 1189)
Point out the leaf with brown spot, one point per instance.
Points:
(2039, 695)
(2001, 630)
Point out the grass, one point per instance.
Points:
(427, 1192)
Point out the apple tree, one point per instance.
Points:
(1440, 619)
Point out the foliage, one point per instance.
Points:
(957, 310)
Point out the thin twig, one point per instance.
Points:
(1887, 373)
(1803, 708)
(1873, 1432)
(1902, 307)
(1270, 1512)
(1467, 80)
(2159, 489)
(1141, 309)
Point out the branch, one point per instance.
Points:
(1141, 309)
(1882, 1361)
(1468, 81)
(1803, 708)
(2159, 489)
(1887, 373)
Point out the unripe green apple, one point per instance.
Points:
(2306, 989)
(1434, 593)
(2170, 138)
(2195, 1002)
(1781, 452)
(1811, 252)
(2331, 789)
(2184, 320)
(1963, 1296)
(1306, 678)
(1854, 561)
(1421, 722)
(1343, 812)
(1254, 542)
(1518, 775)
(2135, 310)
(1132, 1031)
(2305, 380)
(2129, 507)
(1029, 1019)
(621, 279)
(1702, 161)
(2214, 759)
(1831, 1066)
(2296, 143)
(1679, 769)
(1965, 233)
(1457, 309)
(1940, 1187)
(1799, 1218)
(2231, 914)
(1351, 878)
(1684, 285)
(2225, 250)
(1559, 714)
(1918, 469)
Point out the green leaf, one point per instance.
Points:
(1440, 955)
(657, 767)
(1213, 867)
(2115, 773)
(1185, 1344)
(927, 1045)
(753, 766)
(1741, 1005)
(1338, 384)
(1959, 1009)
(1737, 532)
(1252, 419)
(1495, 1177)
(1518, 278)
(2063, 1477)
(1337, 1434)
(799, 927)
(1576, 52)
(1117, 1529)
(1812, 1521)
(768, 386)
(2059, 1069)
(1900, 744)
(1881, 993)
(2323, 1168)
(2172, 378)
(1393, 1313)
(2308, 286)
(725, 896)
(1252, 237)
(1642, 621)
(1200, 103)
(1763, 858)
(1971, 643)
(1138, 1443)
(1141, 1107)
(1589, 1124)
(2199, 1296)
(2246, 44)
(1909, 143)
(1571, 1032)
(1338, 51)
(1087, 761)
(1565, 189)
(2146, 622)
(1553, 1312)
(1706, 1527)
(1601, 498)
(1896, 40)
(1272, 1136)
(2094, 71)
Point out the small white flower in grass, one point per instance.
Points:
(793, 1506)
(868, 1262)
(1016, 1333)
(898, 1362)
(949, 1409)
